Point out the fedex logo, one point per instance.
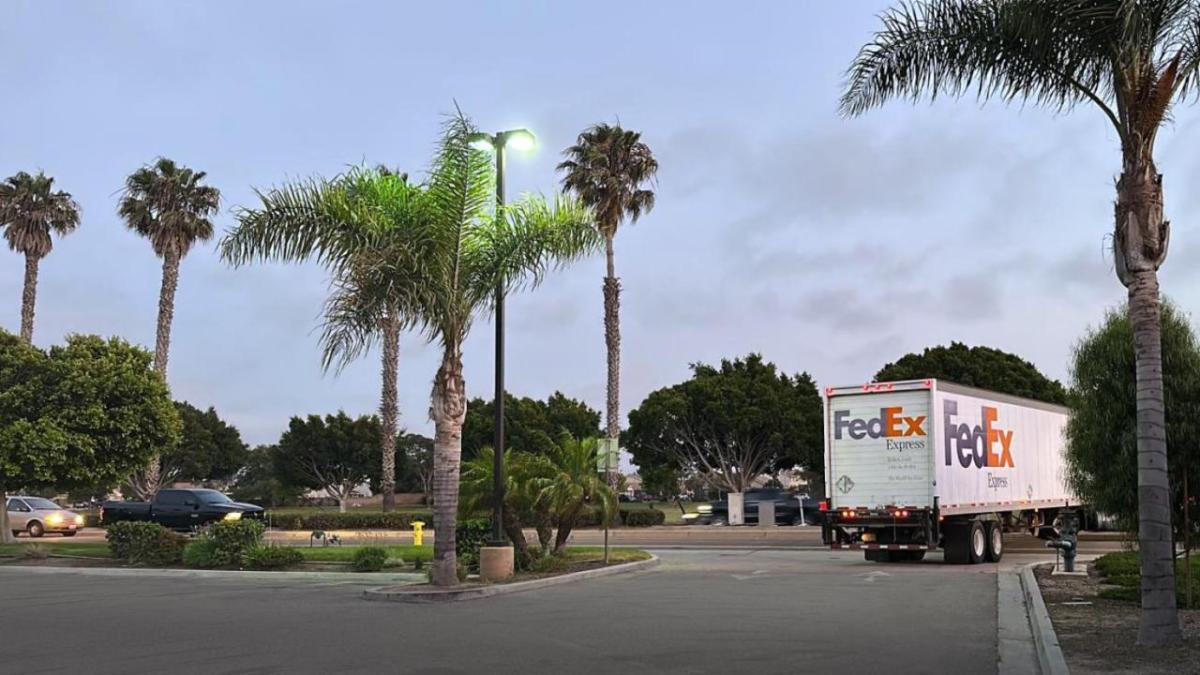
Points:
(983, 445)
(891, 423)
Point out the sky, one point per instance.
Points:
(829, 245)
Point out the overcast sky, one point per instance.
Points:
(829, 245)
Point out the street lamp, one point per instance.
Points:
(520, 140)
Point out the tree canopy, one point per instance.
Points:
(529, 424)
(336, 453)
(1102, 432)
(730, 423)
(210, 450)
(982, 367)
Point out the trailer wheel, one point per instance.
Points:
(995, 542)
(957, 543)
(878, 555)
(979, 542)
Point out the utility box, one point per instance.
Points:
(737, 513)
(766, 513)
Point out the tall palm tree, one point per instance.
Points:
(167, 204)
(459, 249)
(347, 223)
(30, 211)
(609, 169)
(1131, 61)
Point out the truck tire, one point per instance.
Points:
(978, 542)
(995, 542)
(957, 543)
(878, 555)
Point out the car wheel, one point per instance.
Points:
(995, 542)
(36, 529)
(68, 534)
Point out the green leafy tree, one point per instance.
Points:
(729, 424)
(462, 248)
(168, 205)
(522, 504)
(30, 212)
(81, 415)
(258, 482)
(349, 224)
(335, 454)
(418, 463)
(529, 425)
(1102, 433)
(1131, 62)
(211, 449)
(610, 169)
(981, 367)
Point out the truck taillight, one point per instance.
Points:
(823, 505)
(900, 514)
(848, 514)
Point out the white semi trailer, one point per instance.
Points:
(918, 465)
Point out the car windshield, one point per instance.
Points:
(212, 497)
(40, 504)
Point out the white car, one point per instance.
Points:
(37, 516)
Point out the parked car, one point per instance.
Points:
(181, 509)
(36, 516)
(787, 508)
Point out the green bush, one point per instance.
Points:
(269, 557)
(144, 543)
(369, 559)
(200, 554)
(231, 539)
(642, 517)
(365, 520)
(551, 564)
(470, 535)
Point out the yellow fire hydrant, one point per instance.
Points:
(418, 533)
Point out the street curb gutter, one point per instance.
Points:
(1050, 657)
(391, 594)
(359, 578)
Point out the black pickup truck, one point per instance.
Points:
(180, 509)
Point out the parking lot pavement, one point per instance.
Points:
(757, 611)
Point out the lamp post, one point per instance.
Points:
(518, 139)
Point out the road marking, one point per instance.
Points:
(870, 577)
(753, 575)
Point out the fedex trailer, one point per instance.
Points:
(919, 465)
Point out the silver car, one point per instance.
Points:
(37, 516)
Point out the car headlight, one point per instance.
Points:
(704, 508)
(235, 515)
(54, 519)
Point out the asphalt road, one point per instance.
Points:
(729, 611)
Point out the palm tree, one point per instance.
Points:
(347, 223)
(522, 471)
(1130, 60)
(575, 484)
(459, 249)
(167, 204)
(608, 168)
(30, 211)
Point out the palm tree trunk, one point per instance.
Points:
(388, 410)
(448, 408)
(612, 341)
(565, 525)
(6, 535)
(1140, 247)
(151, 479)
(29, 297)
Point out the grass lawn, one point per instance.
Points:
(89, 549)
(1122, 570)
(408, 553)
(309, 510)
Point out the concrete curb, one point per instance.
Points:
(390, 594)
(1049, 655)
(345, 577)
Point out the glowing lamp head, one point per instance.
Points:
(521, 140)
(481, 141)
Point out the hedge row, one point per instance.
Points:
(374, 520)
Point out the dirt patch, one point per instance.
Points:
(1098, 635)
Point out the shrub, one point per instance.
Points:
(231, 539)
(642, 517)
(369, 559)
(200, 553)
(269, 557)
(144, 543)
(369, 520)
(551, 564)
(35, 552)
(470, 536)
